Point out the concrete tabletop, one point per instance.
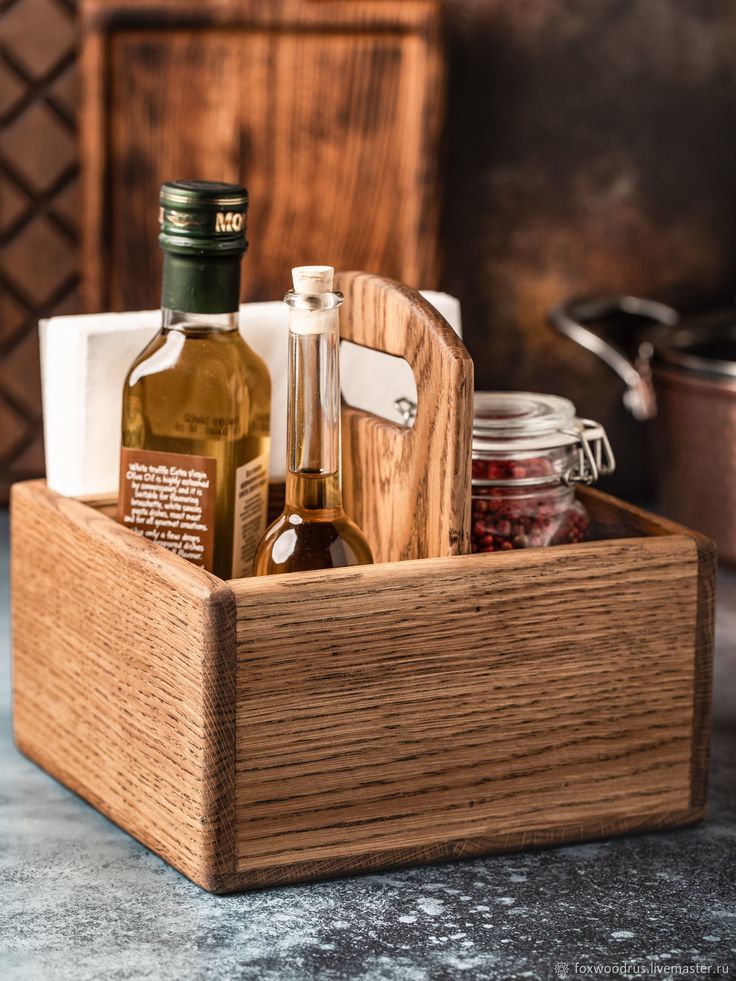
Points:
(79, 899)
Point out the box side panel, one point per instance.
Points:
(448, 707)
(613, 518)
(122, 678)
(703, 682)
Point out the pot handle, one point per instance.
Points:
(571, 319)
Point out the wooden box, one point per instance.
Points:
(263, 731)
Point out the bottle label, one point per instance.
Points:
(251, 513)
(169, 498)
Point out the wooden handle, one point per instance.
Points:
(408, 488)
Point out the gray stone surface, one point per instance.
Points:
(81, 900)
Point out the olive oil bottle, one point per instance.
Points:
(196, 401)
(313, 532)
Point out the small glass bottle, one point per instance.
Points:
(529, 451)
(313, 532)
(197, 400)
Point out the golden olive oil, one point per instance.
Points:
(196, 402)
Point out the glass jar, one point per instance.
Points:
(529, 451)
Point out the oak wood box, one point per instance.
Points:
(435, 705)
(267, 731)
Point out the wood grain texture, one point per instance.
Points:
(123, 678)
(613, 518)
(295, 727)
(329, 112)
(703, 686)
(409, 489)
(451, 707)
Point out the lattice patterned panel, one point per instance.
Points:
(38, 211)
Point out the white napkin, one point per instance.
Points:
(84, 360)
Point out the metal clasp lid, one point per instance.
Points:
(524, 422)
(594, 454)
(523, 425)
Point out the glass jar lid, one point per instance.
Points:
(520, 423)
(519, 417)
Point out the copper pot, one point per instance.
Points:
(683, 372)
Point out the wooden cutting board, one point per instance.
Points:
(329, 112)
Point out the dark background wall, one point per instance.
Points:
(590, 146)
(39, 211)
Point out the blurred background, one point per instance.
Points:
(511, 152)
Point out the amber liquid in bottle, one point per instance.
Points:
(197, 401)
(313, 532)
(199, 390)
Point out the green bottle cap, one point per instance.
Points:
(203, 218)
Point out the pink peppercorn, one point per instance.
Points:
(511, 517)
(529, 451)
(508, 517)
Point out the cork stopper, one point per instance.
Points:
(312, 279)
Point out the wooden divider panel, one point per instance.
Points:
(409, 488)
